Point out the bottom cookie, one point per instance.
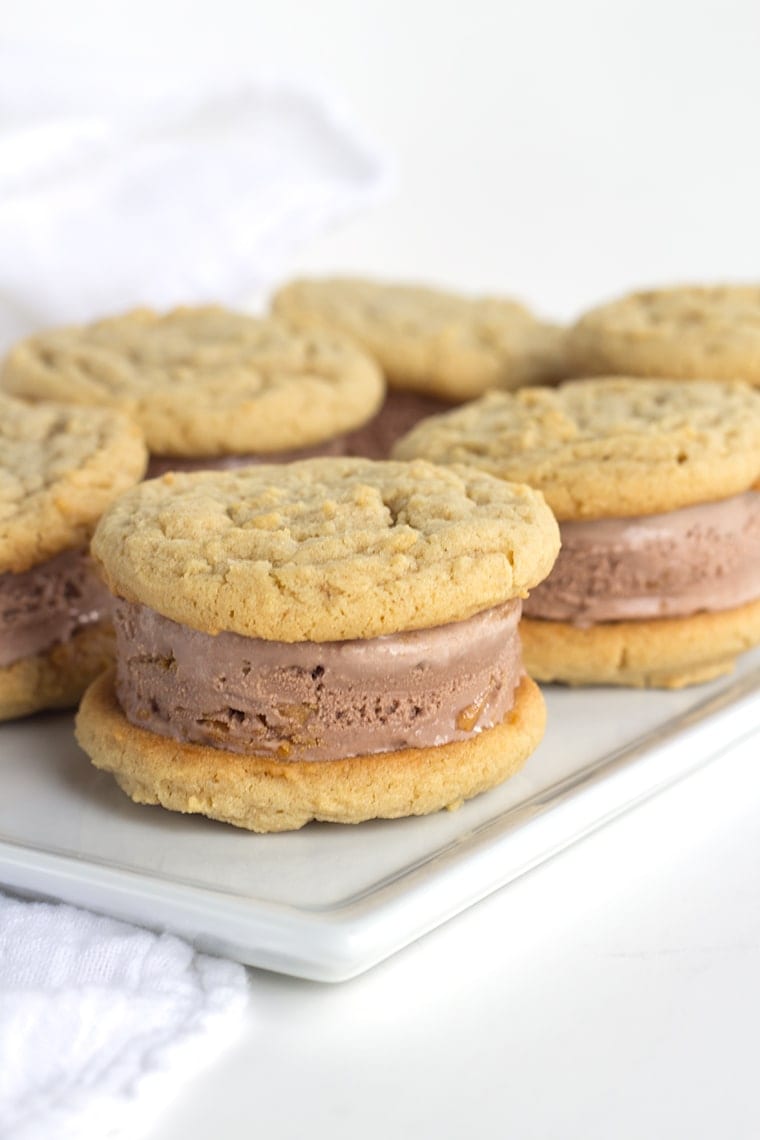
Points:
(56, 678)
(665, 653)
(258, 794)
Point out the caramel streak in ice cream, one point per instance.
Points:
(317, 701)
(701, 558)
(49, 604)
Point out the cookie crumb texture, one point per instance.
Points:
(609, 447)
(430, 341)
(264, 796)
(665, 653)
(56, 678)
(326, 550)
(204, 381)
(60, 467)
(686, 333)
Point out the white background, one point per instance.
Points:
(562, 152)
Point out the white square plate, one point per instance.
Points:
(328, 902)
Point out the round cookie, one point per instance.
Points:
(606, 447)
(204, 382)
(653, 483)
(59, 469)
(688, 332)
(325, 550)
(668, 653)
(438, 344)
(261, 795)
(331, 639)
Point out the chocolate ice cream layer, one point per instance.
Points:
(48, 604)
(317, 701)
(160, 464)
(669, 565)
(398, 415)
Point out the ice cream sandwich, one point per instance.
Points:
(334, 639)
(59, 468)
(210, 388)
(655, 487)
(436, 348)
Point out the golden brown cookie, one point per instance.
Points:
(606, 447)
(325, 549)
(262, 795)
(429, 341)
(666, 653)
(59, 468)
(204, 381)
(688, 332)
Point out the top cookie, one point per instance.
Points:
(60, 467)
(429, 341)
(607, 447)
(325, 549)
(204, 381)
(685, 333)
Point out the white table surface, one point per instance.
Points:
(613, 992)
(563, 152)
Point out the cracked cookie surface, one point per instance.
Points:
(685, 332)
(326, 550)
(204, 381)
(430, 341)
(60, 467)
(606, 447)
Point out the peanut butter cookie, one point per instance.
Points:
(204, 382)
(688, 333)
(333, 639)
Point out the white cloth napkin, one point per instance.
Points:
(120, 189)
(102, 1023)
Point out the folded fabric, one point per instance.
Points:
(153, 190)
(101, 1023)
